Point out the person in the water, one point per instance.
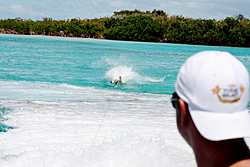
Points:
(118, 81)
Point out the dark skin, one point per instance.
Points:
(233, 153)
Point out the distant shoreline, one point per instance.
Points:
(3, 31)
(70, 35)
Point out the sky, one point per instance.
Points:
(82, 9)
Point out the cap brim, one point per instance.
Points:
(222, 126)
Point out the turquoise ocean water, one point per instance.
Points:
(55, 91)
(146, 67)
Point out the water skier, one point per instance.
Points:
(118, 81)
(211, 117)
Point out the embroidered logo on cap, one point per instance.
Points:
(230, 94)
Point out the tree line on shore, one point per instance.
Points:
(155, 26)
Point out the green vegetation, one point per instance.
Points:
(155, 26)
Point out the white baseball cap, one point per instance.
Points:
(215, 85)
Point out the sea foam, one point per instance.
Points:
(55, 125)
(130, 76)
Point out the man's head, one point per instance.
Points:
(215, 87)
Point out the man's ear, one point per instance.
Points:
(183, 108)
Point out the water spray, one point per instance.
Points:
(103, 118)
